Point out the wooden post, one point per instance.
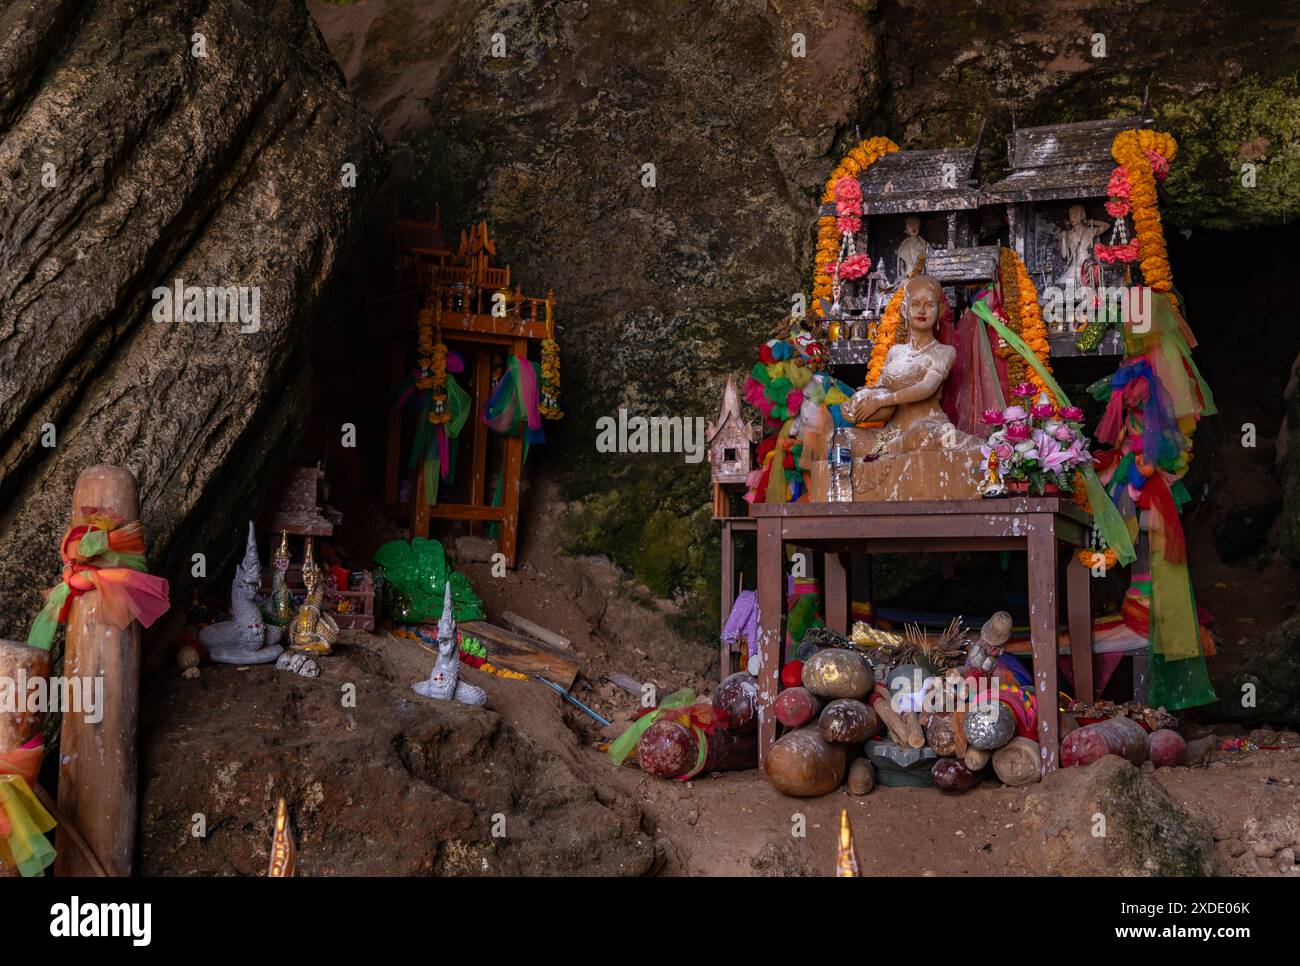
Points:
(1078, 600)
(839, 592)
(771, 639)
(1042, 633)
(97, 762)
(19, 663)
(728, 592)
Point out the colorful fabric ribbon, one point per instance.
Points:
(742, 622)
(681, 707)
(23, 819)
(1110, 524)
(513, 406)
(434, 446)
(105, 555)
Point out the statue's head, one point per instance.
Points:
(250, 568)
(281, 558)
(922, 302)
(1077, 214)
(447, 622)
(912, 226)
(310, 569)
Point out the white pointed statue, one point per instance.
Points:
(444, 681)
(245, 639)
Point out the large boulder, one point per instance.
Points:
(1260, 682)
(665, 290)
(139, 147)
(1108, 819)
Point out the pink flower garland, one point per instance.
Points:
(855, 266)
(848, 206)
(1128, 252)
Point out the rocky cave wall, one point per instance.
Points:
(663, 291)
(141, 142)
(226, 168)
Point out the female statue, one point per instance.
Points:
(1077, 240)
(918, 454)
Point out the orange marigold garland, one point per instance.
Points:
(1145, 155)
(1025, 318)
(550, 390)
(1105, 559)
(867, 153)
(890, 332)
(433, 364)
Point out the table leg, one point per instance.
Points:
(838, 592)
(770, 638)
(1043, 637)
(1141, 674)
(1078, 590)
(728, 590)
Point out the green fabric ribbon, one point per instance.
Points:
(93, 546)
(424, 448)
(625, 744)
(1108, 519)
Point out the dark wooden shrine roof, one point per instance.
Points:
(913, 181)
(423, 237)
(1059, 161)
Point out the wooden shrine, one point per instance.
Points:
(730, 444)
(938, 187)
(1034, 209)
(1051, 169)
(485, 321)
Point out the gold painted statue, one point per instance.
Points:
(279, 607)
(313, 631)
(284, 851)
(918, 454)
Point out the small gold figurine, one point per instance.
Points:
(284, 852)
(279, 609)
(313, 631)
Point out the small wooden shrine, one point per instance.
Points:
(914, 202)
(299, 512)
(731, 448)
(1053, 170)
(485, 322)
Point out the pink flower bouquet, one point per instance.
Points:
(1041, 444)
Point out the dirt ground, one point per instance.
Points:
(737, 824)
(402, 785)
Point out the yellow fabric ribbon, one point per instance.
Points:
(25, 847)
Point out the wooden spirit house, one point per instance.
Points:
(731, 449)
(485, 322)
(1051, 170)
(930, 196)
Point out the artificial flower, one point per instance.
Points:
(1017, 432)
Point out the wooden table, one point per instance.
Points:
(1035, 525)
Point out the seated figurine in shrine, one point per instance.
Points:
(918, 454)
(313, 631)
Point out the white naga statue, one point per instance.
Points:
(246, 638)
(444, 681)
(1077, 239)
